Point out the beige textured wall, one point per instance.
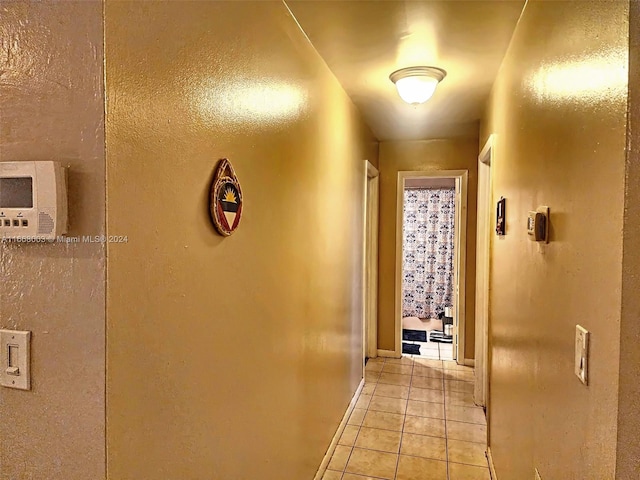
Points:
(450, 154)
(229, 358)
(628, 451)
(558, 108)
(51, 108)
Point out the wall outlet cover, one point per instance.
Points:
(15, 359)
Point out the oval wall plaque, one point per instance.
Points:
(225, 202)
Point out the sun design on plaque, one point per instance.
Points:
(229, 195)
(225, 204)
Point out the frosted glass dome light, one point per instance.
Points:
(417, 84)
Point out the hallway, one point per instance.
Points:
(414, 420)
(135, 315)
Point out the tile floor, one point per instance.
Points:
(434, 350)
(414, 420)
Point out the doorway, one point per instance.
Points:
(454, 306)
(370, 271)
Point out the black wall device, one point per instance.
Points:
(501, 216)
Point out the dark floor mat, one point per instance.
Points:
(410, 349)
(414, 335)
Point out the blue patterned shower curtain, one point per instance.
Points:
(428, 244)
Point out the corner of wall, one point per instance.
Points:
(628, 441)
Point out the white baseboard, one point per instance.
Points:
(388, 354)
(470, 362)
(338, 434)
(492, 468)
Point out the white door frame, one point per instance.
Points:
(370, 270)
(483, 252)
(460, 254)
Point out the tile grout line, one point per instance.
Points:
(404, 419)
(344, 470)
(356, 438)
(446, 430)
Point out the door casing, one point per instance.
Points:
(370, 270)
(461, 178)
(483, 251)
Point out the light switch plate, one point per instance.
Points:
(15, 359)
(581, 368)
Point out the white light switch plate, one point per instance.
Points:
(15, 359)
(581, 368)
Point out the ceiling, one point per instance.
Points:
(362, 42)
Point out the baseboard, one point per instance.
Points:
(470, 362)
(338, 434)
(388, 354)
(492, 468)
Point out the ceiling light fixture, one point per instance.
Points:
(417, 84)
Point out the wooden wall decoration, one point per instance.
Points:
(225, 201)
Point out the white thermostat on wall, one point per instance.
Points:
(33, 200)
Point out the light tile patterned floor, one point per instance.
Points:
(414, 420)
(433, 350)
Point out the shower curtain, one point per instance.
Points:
(428, 244)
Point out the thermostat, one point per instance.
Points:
(33, 201)
(537, 225)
